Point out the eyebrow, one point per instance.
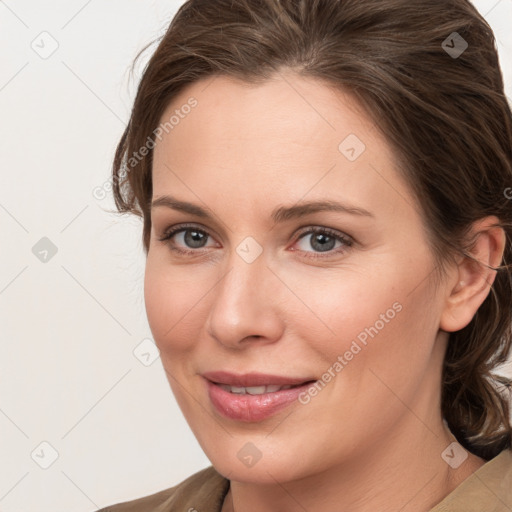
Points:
(279, 214)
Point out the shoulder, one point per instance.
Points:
(488, 489)
(205, 489)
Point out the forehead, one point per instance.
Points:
(298, 110)
(272, 142)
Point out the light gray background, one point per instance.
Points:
(69, 376)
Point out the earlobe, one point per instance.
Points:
(475, 274)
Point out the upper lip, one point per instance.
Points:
(253, 379)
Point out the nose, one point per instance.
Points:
(246, 305)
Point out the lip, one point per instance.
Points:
(253, 379)
(252, 408)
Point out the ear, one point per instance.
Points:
(471, 280)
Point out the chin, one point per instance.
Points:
(261, 472)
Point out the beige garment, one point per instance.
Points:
(488, 489)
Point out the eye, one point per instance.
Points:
(190, 236)
(189, 239)
(323, 241)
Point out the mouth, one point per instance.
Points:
(254, 403)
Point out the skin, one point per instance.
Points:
(372, 439)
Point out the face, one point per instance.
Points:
(342, 296)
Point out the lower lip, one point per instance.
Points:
(251, 408)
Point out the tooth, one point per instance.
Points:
(255, 390)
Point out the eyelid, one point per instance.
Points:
(331, 231)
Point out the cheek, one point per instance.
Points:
(370, 321)
(342, 303)
(172, 306)
(362, 326)
(386, 351)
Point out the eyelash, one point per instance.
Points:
(347, 241)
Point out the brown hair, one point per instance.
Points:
(446, 116)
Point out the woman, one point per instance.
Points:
(323, 185)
